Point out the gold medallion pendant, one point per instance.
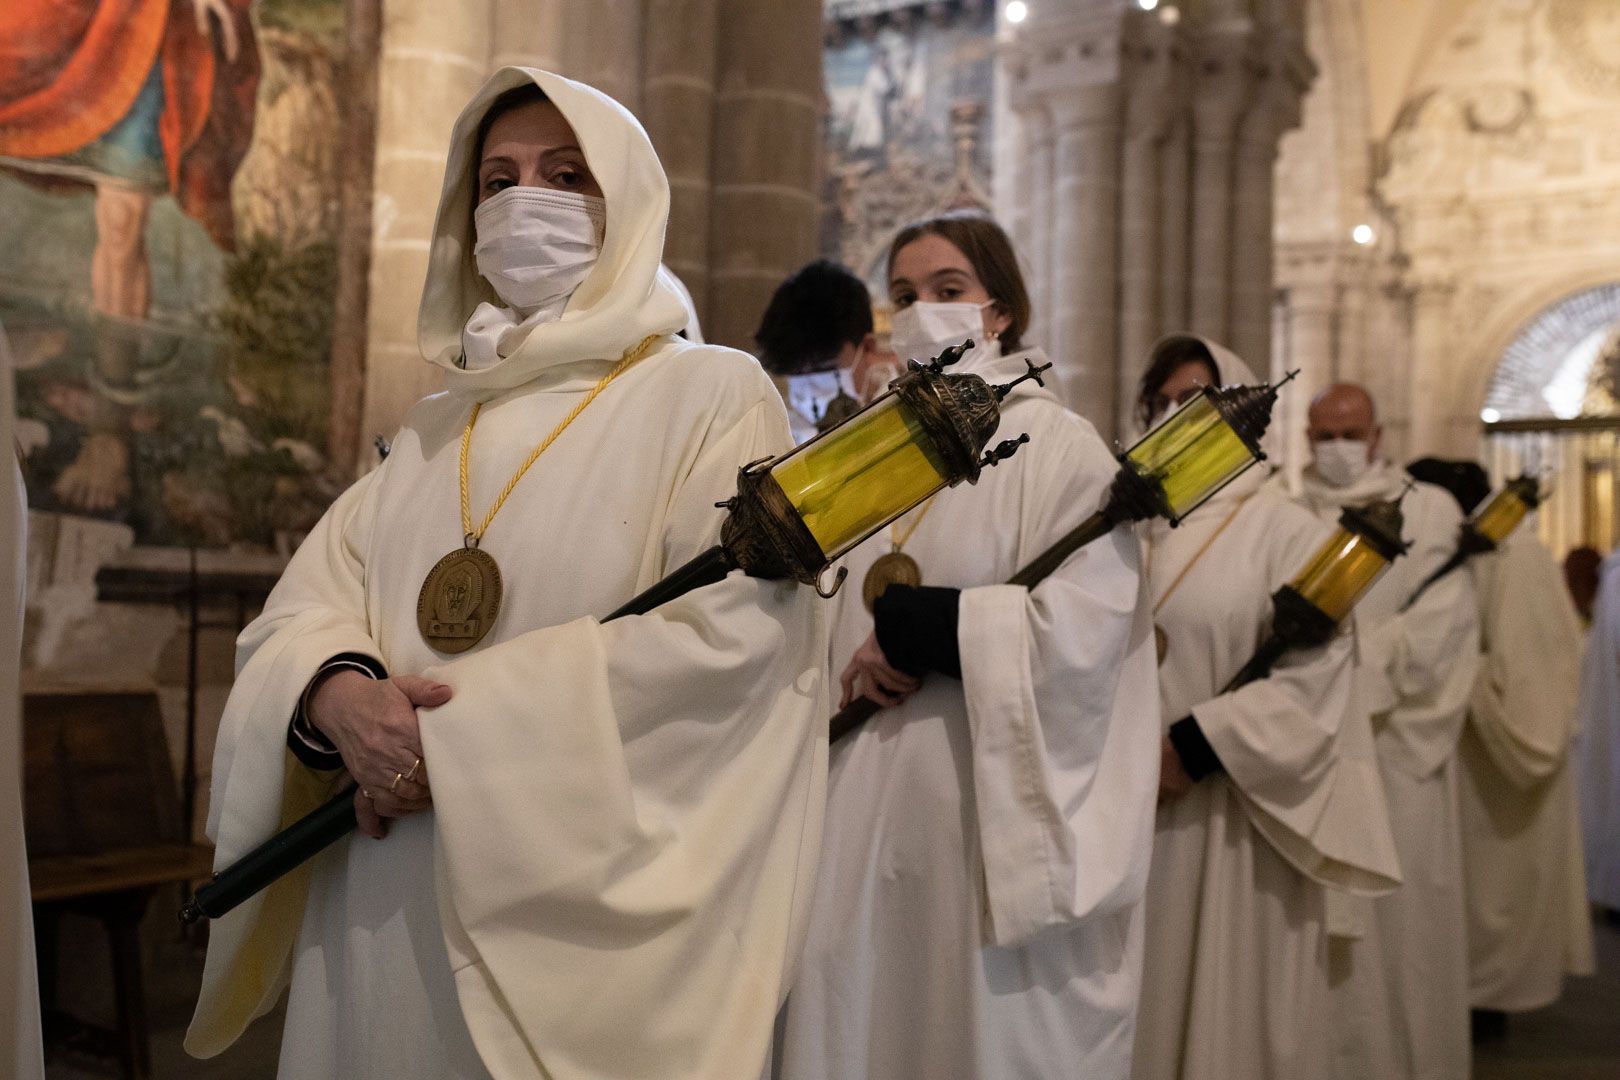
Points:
(895, 568)
(459, 600)
(1161, 642)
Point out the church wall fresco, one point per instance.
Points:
(908, 127)
(168, 262)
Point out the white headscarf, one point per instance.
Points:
(623, 300)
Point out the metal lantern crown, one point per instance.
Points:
(1201, 447)
(794, 515)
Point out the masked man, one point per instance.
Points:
(1400, 978)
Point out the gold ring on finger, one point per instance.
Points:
(417, 764)
(397, 778)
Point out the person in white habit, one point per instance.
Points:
(978, 910)
(1399, 1006)
(1523, 877)
(597, 840)
(1598, 747)
(1267, 794)
(21, 1052)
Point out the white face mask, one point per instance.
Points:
(1341, 462)
(924, 329)
(536, 245)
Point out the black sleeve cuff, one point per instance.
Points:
(916, 629)
(304, 739)
(1197, 756)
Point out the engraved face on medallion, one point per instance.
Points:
(459, 600)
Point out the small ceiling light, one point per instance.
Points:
(1169, 15)
(1490, 416)
(1016, 11)
(1362, 234)
(1147, 5)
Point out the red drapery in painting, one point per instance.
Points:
(71, 69)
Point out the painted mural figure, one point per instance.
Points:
(135, 99)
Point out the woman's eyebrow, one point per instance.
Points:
(497, 160)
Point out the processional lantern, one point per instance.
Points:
(1491, 524)
(1308, 610)
(1169, 472)
(792, 516)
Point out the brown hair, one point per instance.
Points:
(1171, 357)
(990, 253)
(526, 94)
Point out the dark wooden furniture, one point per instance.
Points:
(104, 829)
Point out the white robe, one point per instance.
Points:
(978, 913)
(1236, 986)
(1399, 1002)
(613, 878)
(20, 1049)
(1599, 742)
(1528, 922)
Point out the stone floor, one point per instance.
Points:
(1577, 1039)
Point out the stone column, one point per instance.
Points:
(1427, 413)
(678, 110)
(765, 164)
(1085, 264)
(433, 57)
(1309, 314)
(1038, 185)
(599, 43)
(1175, 222)
(1219, 99)
(1147, 109)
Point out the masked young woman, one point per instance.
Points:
(584, 856)
(978, 911)
(1266, 794)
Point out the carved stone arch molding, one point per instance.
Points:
(1516, 313)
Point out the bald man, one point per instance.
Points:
(1400, 970)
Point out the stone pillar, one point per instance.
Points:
(1038, 185)
(1175, 222)
(1434, 333)
(1309, 312)
(1085, 265)
(599, 43)
(765, 203)
(1219, 100)
(1147, 110)
(678, 111)
(433, 57)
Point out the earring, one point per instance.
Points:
(992, 334)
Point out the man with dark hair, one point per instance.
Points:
(816, 341)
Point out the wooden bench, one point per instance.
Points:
(104, 831)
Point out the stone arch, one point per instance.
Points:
(1480, 373)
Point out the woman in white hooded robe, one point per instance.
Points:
(978, 909)
(1267, 793)
(625, 816)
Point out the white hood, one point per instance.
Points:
(623, 300)
(1230, 370)
(1229, 366)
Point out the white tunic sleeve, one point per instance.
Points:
(1062, 702)
(316, 611)
(1422, 662)
(1525, 698)
(1299, 758)
(627, 815)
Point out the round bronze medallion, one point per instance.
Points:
(459, 600)
(1161, 642)
(895, 568)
